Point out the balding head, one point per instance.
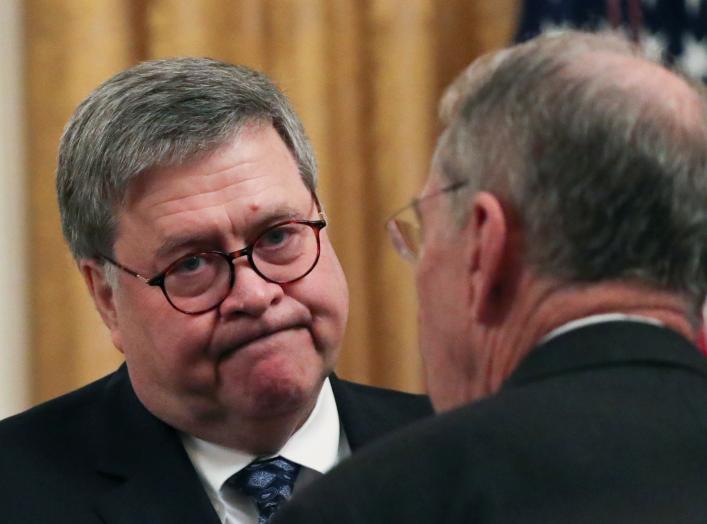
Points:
(601, 154)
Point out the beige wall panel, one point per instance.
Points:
(71, 47)
(14, 370)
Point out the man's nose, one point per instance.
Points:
(251, 294)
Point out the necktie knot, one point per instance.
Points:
(268, 483)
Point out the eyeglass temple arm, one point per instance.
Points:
(147, 280)
(322, 213)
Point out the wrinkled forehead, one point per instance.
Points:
(236, 159)
(218, 199)
(236, 190)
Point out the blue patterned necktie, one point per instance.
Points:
(268, 483)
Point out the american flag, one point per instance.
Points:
(673, 31)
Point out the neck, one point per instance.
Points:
(543, 305)
(260, 436)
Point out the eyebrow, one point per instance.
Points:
(207, 240)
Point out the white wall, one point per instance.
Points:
(14, 352)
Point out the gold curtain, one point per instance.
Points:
(364, 75)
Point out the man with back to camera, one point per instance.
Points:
(187, 196)
(560, 271)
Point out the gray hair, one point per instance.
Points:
(157, 114)
(608, 177)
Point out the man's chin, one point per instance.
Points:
(278, 395)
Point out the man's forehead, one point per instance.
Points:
(247, 185)
(170, 237)
(261, 164)
(211, 234)
(245, 207)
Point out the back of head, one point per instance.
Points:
(601, 155)
(157, 114)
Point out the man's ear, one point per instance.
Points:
(488, 227)
(103, 296)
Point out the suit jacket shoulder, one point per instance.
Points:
(96, 455)
(604, 424)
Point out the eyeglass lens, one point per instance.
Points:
(406, 237)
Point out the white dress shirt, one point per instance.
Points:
(317, 446)
(597, 319)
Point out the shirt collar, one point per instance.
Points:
(314, 445)
(597, 319)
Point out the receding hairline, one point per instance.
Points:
(573, 47)
(605, 57)
(649, 81)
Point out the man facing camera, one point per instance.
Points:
(560, 245)
(187, 196)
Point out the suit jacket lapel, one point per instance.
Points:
(149, 476)
(153, 479)
(367, 413)
(153, 497)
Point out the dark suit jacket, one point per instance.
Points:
(98, 456)
(604, 424)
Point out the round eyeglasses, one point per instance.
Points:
(199, 282)
(404, 225)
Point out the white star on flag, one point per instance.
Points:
(694, 56)
(654, 45)
(693, 7)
